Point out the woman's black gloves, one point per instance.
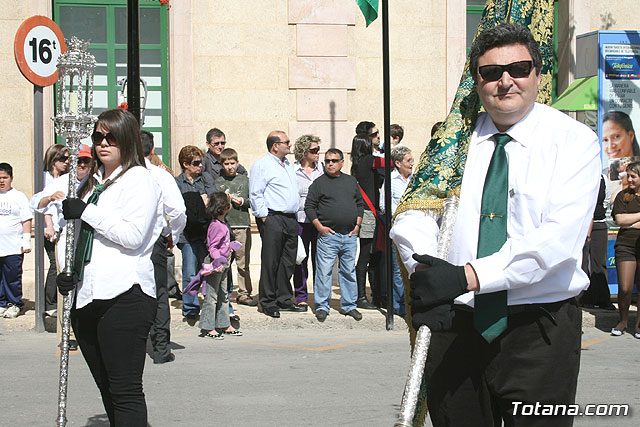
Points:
(73, 208)
(66, 282)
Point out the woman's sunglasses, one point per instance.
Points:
(62, 159)
(196, 163)
(97, 138)
(314, 150)
(517, 70)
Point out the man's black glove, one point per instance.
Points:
(66, 282)
(73, 208)
(439, 283)
(437, 317)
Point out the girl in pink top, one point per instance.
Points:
(214, 318)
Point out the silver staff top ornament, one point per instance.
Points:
(74, 117)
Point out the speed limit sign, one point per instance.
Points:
(37, 46)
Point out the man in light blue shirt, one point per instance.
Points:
(273, 193)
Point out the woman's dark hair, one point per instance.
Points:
(219, 202)
(635, 168)
(53, 154)
(125, 129)
(623, 120)
(360, 147)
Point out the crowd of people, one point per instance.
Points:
(277, 194)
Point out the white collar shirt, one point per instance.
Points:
(172, 202)
(554, 173)
(398, 186)
(126, 223)
(273, 186)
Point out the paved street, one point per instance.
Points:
(295, 377)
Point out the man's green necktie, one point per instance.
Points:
(85, 240)
(490, 310)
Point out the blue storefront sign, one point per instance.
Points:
(619, 100)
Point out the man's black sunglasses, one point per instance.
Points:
(97, 138)
(517, 70)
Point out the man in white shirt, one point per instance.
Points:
(273, 193)
(531, 352)
(175, 212)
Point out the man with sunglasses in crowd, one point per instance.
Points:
(273, 193)
(502, 306)
(216, 142)
(335, 207)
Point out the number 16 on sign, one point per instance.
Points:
(38, 44)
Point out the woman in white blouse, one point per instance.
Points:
(56, 164)
(115, 304)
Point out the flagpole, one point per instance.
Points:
(387, 163)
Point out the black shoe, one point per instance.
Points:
(608, 306)
(271, 313)
(247, 301)
(294, 307)
(321, 315)
(190, 316)
(170, 358)
(353, 313)
(363, 303)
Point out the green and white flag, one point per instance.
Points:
(369, 9)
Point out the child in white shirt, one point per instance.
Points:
(15, 241)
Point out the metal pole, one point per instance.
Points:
(73, 144)
(38, 183)
(387, 163)
(133, 58)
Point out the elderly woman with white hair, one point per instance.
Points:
(400, 177)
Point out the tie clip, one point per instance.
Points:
(491, 216)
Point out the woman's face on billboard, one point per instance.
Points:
(616, 141)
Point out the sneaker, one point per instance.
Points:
(51, 313)
(2, 310)
(11, 312)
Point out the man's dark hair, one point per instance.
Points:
(214, 132)
(435, 127)
(146, 138)
(363, 128)
(272, 140)
(333, 150)
(6, 167)
(397, 131)
(503, 35)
